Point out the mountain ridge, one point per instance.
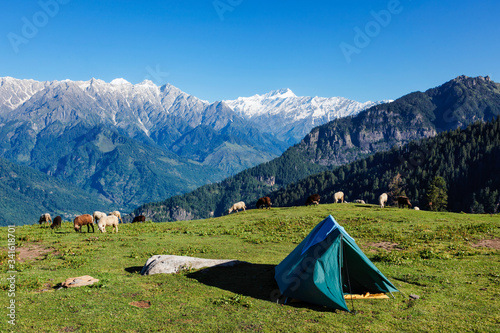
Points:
(410, 118)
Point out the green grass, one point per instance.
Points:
(433, 256)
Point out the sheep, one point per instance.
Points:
(139, 218)
(81, 220)
(264, 201)
(313, 199)
(339, 196)
(97, 215)
(403, 201)
(117, 214)
(108, 220)
(237, 206)
(45, 218)
(56, 223)
(416, 208)
(359, 201)
(382, 199)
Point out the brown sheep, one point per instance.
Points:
(313, 199)
(85, 219)
(403, 201)
(139, 218)
(57, 222)
(264, 201)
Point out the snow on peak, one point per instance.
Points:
(147, 83)
(280, 93)
(119, 82)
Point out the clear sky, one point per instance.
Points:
(222, 49)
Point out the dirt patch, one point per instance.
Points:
(489, 243)
(388, 246)
(31, 251)
(141, 304)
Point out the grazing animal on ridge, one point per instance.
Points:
(45, 218)
(264, 201)
(403, 201)
(237, 206)
(313, 199)
(97, 215)
(108, 220)
(117, 214)
(81, 220)
(139, 218)
(382, 199)
(56, 223)
(339, 196)
(360, 201)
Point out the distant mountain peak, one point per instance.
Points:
(280, 93)
(119, 82)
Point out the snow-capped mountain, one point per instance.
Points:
(291, 117)
(132, 143)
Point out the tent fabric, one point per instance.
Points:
(326, 265)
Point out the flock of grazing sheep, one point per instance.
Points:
(102, 220)
(113, 218)
(314, 199)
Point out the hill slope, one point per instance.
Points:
(467, 159)
(418, 115)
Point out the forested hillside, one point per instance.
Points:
(26, 193)
(468, 160)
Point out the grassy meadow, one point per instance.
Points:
(451, 261)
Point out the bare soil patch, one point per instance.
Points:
(388, 246)
(490, 243)
(141, 304)
(30, 251)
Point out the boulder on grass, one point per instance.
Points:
(169, 264)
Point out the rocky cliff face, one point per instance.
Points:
(418, 115)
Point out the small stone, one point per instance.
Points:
(80, 281)
(413, 296)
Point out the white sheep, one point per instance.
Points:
(108, 220)
(416, 208)
(360, 201)
(117, 214)
(382, 199)
(339, 196)
(97, 215)
(237, 206)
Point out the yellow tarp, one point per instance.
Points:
(365, 296)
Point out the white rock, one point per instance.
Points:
(169, 264)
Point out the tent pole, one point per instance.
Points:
(347, 271)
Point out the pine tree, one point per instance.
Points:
(396, 187)
(437, 194)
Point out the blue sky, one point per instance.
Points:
(222, 49)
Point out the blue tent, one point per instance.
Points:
(326, 265)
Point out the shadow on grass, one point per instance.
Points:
(252, 280)
(133, 269)
(364, 206)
